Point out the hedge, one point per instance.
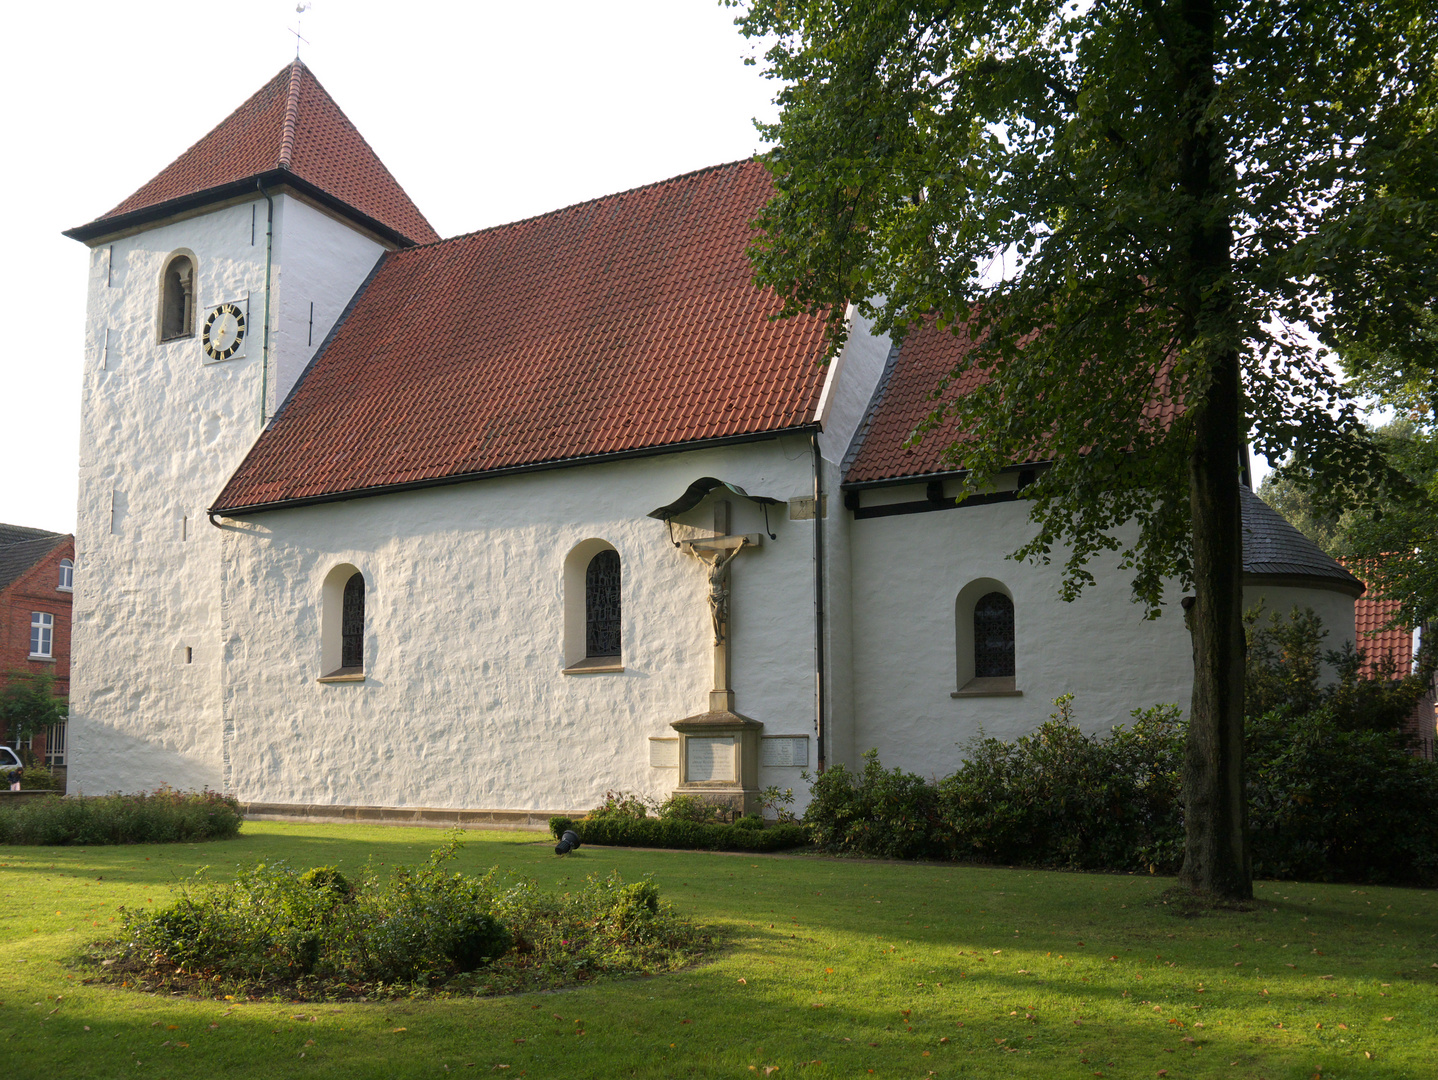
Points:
(681, 835)
(161, 817)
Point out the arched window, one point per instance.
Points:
(352, 627)
(342, 627)
(601, 605)
(986, 662)
(67, 575)
(177, 299)
(593, 620)
(994, 637)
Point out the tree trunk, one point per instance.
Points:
(1215, 856)
(1215, 803)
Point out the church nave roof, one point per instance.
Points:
(627, 324)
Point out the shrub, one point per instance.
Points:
(874, 812)
(280, 932)
(620, 804)
(778, 803)
(681, 807)
(159, 817)
(1330, 799)
(327, 877)
(1060, 797)
(1331, 803)
(680, 835)
(1284, 662)
(38, 778)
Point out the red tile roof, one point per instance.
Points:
(1391, 649)
(907, 395)
(292, 126)
(623, 324)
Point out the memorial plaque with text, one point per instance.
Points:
(664, 753)
(784, 752)
(710, 758)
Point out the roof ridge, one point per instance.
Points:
(583, 202)
(292, 109)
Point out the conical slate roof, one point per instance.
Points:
(1272, 548)
(289, 132)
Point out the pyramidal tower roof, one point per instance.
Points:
(289, 132)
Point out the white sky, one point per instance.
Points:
(485, 112)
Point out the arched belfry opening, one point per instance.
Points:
(177, 298)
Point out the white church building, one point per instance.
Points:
(374, 523)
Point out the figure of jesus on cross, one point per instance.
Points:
(719, 560)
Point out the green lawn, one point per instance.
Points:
(834, 968)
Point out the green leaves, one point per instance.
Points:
(1104, 201)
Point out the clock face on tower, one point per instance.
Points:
(224, 332)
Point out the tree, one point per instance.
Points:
(29, 705)
(1339, 522)
(1174, 189)
(1393, 527)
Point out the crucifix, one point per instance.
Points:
(717, 552)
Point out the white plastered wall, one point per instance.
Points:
(1334, 608)
(908, 571)
(466, 703)
(321, 262)
(161, 430)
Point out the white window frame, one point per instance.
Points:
(55, 737)
(67, 576)
(42, 635)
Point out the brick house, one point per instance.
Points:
(1390, 651)
(37, 574)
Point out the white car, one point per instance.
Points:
(9, 761)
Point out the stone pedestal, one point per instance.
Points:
(719, 755)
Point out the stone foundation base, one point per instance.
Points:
(431, 817)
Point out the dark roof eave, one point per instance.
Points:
(249, 185)
(924, 478)
(511, 470)
(1350, 587)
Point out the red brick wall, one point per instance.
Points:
(37, 590)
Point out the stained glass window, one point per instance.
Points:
(352, 624)
(994, 637)
(601, 605)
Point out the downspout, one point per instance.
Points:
(821, 707)
(265, 348)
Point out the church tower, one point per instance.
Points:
(210, 289)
